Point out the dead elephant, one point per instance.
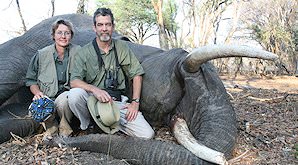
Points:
(180, 89)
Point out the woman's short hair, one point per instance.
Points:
(56, 24)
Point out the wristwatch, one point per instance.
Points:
(136, 100)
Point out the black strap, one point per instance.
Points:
(100, 61)
(127, 88)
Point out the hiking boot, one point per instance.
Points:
(90, 130)
(49, 133)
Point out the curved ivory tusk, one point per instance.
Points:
(185, 138)
(200, 55)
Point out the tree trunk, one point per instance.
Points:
(53, 7)
(21, 16)
(194, 25)
(81, 7)
(238, 65)
(296, 72)
(235, 18)
(162, 32)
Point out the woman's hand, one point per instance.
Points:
(38, 95)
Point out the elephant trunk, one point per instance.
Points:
(133, 150)
(201, 55)
(20, 127)
(12, 119)
(205, 121)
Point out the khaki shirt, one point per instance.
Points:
(86, 64)
(50, 74)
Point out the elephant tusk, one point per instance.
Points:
(185, 138)
(201, 55)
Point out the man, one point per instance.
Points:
(102, 73)
(48, 75)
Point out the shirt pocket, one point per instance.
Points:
(92, 73)
(121, 77)
(45, 83)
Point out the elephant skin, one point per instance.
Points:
(177, 86)
(13, 120)
(133, 150)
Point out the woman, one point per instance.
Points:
(48, 75)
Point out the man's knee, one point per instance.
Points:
(148, 134)
(145, 132)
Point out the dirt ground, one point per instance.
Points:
(287, 84)
(267, 116)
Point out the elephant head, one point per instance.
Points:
(181, 90)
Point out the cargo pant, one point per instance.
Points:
(65, 115)
(77, 99)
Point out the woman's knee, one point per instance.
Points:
(61, 100)
(77, 94)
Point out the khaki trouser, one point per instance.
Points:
(78, 104)
(65, 114)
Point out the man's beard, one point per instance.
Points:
(104, 37)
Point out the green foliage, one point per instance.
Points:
(170, 13)
(274, 26)
(296, 151)
(271, 36)
(130, 13)
(214, 5)
(136, 19)
(295, 36)
(132, 18)
(270, 27)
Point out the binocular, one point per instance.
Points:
(111, 80)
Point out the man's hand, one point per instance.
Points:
(102, 95)
(132, 111)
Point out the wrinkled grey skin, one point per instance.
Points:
(168, 91)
